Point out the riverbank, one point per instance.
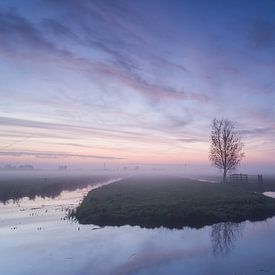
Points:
(172, 202)
(16, 188)
(53, 245)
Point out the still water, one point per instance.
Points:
(35, 238)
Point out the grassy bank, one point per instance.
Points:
(17, 188)
(171, 202)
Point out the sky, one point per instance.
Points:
(84, 83)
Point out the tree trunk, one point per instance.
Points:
(224, 176)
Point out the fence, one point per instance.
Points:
(244, 178)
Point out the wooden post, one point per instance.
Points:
(260, 179)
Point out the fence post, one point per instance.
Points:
(260, 179)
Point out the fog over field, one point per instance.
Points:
(137, 137)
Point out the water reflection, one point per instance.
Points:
(35, 235)
(224, 235)
(45, 187)
(270, 194)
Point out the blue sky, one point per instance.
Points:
(83, 82)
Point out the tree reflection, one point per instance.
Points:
(224, 235)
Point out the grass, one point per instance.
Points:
(17, 188)
(171, 202)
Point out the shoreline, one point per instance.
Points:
(171, 202)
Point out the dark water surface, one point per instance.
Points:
(36, 239)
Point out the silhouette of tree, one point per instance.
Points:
(226, 148)
(223, 236)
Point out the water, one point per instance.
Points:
(270, 194)
(36, 239)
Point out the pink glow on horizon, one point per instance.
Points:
(122, 87)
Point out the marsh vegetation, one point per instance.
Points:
(172, 202)
(14, 188)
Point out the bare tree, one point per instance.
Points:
(226, 148)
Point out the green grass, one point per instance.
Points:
(171, 202)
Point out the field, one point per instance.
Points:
(172, 202)
(15, 187)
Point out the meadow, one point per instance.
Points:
(15, 188)
(173, 202)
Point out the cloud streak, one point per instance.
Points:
(132, 78)
(51, 155)
(16, 30)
